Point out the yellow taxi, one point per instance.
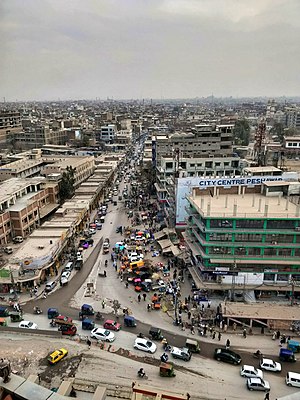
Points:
(57, 355)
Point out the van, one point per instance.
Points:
(50, 286)
(69, 266)
(8, 250)
(18, 239)
(292, 379)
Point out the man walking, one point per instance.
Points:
(139, 298)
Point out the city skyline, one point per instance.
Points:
(158, 49)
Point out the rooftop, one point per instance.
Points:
(11, 186)
(244, 206)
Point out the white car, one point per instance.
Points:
(144, 345)
(270, 365)
(102, 334)
(248, 371)
(135, 257)
(66, 274)
(92, 231)
(28, 325)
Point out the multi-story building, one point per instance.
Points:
(246, 229)
(37, 135)
(10, 122)
(107, 133)
(204, 152)
(23, 203)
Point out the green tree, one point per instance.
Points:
(241, 132)
(66, 188)
(278, 130)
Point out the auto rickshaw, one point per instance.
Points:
(155, 333)
(69, 330)
(287, 355)
(86, 309)
(294, 346)
(16, 316)
(192, 345)
(129, 321)
(3, 322)
(52, 313)
(87, 324)
(166, 370)
(4, 311)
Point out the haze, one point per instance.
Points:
(123, 49)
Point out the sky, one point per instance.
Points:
(135, 49)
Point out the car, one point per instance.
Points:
(133, 257)
(270, 365)
(92, 231)
(18, 239)
(227, 356)
(102, 334)
(57, 355)
(248, 371)
(258, 384)
(145, 345)
(28, 325)
(112, 325)
(182, 353)
(65, 275)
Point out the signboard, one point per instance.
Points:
(185, 186)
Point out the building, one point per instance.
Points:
(23, 204)
(205, 152)
(246, 229)
(107, 133)
(10, 123)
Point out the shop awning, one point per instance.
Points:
(165, 243)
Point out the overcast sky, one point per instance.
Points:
(83, 49)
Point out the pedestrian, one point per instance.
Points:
(244, 333)
(192, 330)
(225, 327)
(267, 396)
(39, 378)
(234, 326)
(144, 296)
(149, 307)
(219, 336)
(227, 344)
(278, 335)
(204, 330)
(274, 336)
(88, 342)
(139, 298)
(103, 303)
(214, 335)
(189, 315)
(202, 306)
(262, 331)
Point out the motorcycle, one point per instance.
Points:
(142, 376)
(37, 310)
(258, 354)
(98, 316)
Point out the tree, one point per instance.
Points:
(278, 130)
(241, 132)
(66, 189)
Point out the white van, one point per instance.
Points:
(292, 379)
(50, 286)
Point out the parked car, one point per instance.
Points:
(103, 334)
(258, 384)
(8, 250)
(248, 371)
(28, 325)
(182, 353)
(57, 355)
(92, 231)
(112, 325)
(270, 365)
(18, 239)
(145, 345)
(228, 356)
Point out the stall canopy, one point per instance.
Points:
(165, 243)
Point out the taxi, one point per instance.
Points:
(57, 355)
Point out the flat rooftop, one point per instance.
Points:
(262, 311)
(14, 185)
(256, 170)
(244, 206)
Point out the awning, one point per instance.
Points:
(158, 189)
(159, 235)
(165, 243)
(175, 250)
